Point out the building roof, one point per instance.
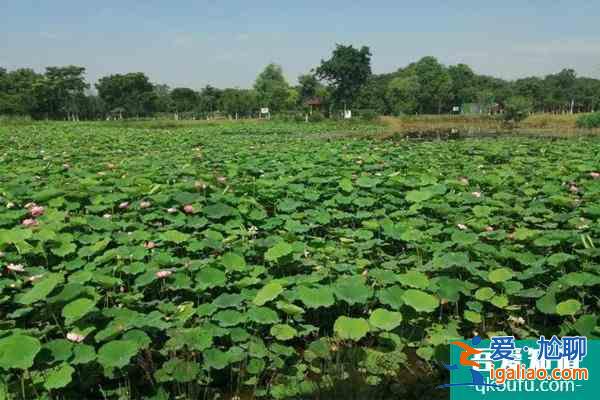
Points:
(313, 101)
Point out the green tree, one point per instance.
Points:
(132, 92)
(403, 94)
(209, 99)
(163, 102)
(17, 95)
(184, 99)
(272, 88)
(63, 91)
(308, 87)
(516, 109)
(434, 84)
(532, 88)
(239, 102)
(463, 87)
(347, 71)
(373, 96)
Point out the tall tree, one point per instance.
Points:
(239, 102)
(435, 85)
(163, 102)
(209, 99)
(403, 93)
(308, 86)
(272, 88)
(184, 99)
(63, 93)
(132, 92)
(347, 71)
(17, 95)
(462, 80)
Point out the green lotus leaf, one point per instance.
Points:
(420, 301)
(484, 293)
(500, 275)
(174, 236)
(215, 358)
(41, 289)
(283, 332)
(317, 297)
(384, 319)
(415, 279)
(547, 303)
(18, 351)
(210, 277)
(117, 353)
(263, 315)
(352, 290)
(268, 292)
(77, 309)
(568, 307)
(472, 316)
(392, 296)
(351, 328)
(346, 185)
(228, 318)
(233, 262)
(278, 251)
(59, 377)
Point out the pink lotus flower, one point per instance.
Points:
(16, 267)
(476, 194)
(10, 204)
(595, 175)
(221, 179)
(66, 166)
(149, 245)
(462, 227)
(171, 210)
(573, 189)
(200, 184)
(36, 211)
(489, 228)
(188, 209)
(29, 206)
(124, 205)
(145, 204)
(107, 216)
(34, 278)
(75, 337)
(464, 181)
(163, 274)
(29, 222)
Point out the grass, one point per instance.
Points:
(536, 124)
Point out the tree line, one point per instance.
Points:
(345, 80)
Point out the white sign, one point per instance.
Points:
(347, 114)
(264, 110)
(456, 108)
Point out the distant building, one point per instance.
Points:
(314, 103)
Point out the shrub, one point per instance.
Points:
(589, 121)
(516, 109)
(368, 115)
(316, 116)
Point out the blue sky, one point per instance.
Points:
(227, 42)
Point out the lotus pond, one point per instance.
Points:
(277, 261)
